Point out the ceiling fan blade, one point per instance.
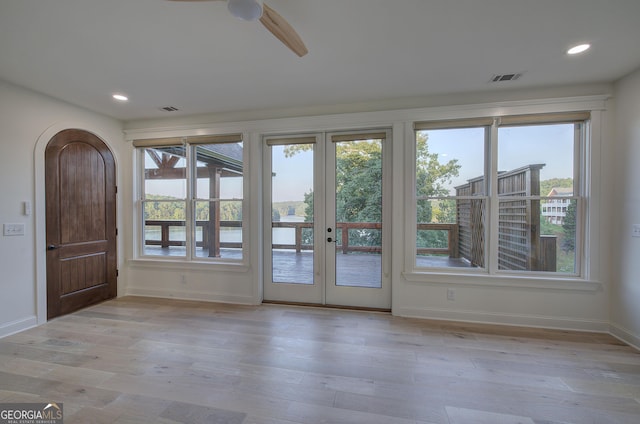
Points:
(278, 26)
(282, 30)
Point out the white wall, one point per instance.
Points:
(26, 120)
(542, 302)
(625, 293)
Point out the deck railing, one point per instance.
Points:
(165, 239)
(452, 248)
(298, 245)
(343, 243)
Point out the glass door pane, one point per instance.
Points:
(358, 213)
(292, 214)
(356, 210)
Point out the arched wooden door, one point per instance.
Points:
(81, 230)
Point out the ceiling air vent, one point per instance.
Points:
(169, 108)
(505, 77)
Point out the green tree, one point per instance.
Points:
(432, 177)
(547, 185)
(164, 208)
(307, 233)
(231, 210)
(359, 188)
(308, 208)
(569, 229)
(359, 181)
(172, 208)
(432, 180)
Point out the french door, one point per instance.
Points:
(325, 219)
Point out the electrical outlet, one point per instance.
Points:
(13, 229)
(451, 294)
(636, 230)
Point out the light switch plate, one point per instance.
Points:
(13, 229)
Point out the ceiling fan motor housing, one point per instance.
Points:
(248, 10)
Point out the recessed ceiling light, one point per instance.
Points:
(579, 48)
(120, 97)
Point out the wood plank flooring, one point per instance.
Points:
(138, 360)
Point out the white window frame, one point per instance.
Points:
(479, 123)
(190, 143)
(586, 157)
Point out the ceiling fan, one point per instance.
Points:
(253, 10)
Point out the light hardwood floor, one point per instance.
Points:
(137, 360)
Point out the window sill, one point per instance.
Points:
(183, 264)
(508, 281)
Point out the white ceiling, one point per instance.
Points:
(198, 58)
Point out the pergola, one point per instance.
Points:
(214, 162)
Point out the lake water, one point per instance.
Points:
(231, 235)
(286, 235)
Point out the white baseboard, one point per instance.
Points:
(536, 321)
(625, 335)
(18, 326)
(190, 295)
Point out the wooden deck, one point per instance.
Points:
(353, 269)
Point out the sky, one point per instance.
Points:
(551, 145)
(293, 176)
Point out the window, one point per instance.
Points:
(451, 193)
(191, 198)
(488, 194)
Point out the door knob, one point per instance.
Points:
(52, 247)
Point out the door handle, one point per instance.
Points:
(52, 247)
(330, 240)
